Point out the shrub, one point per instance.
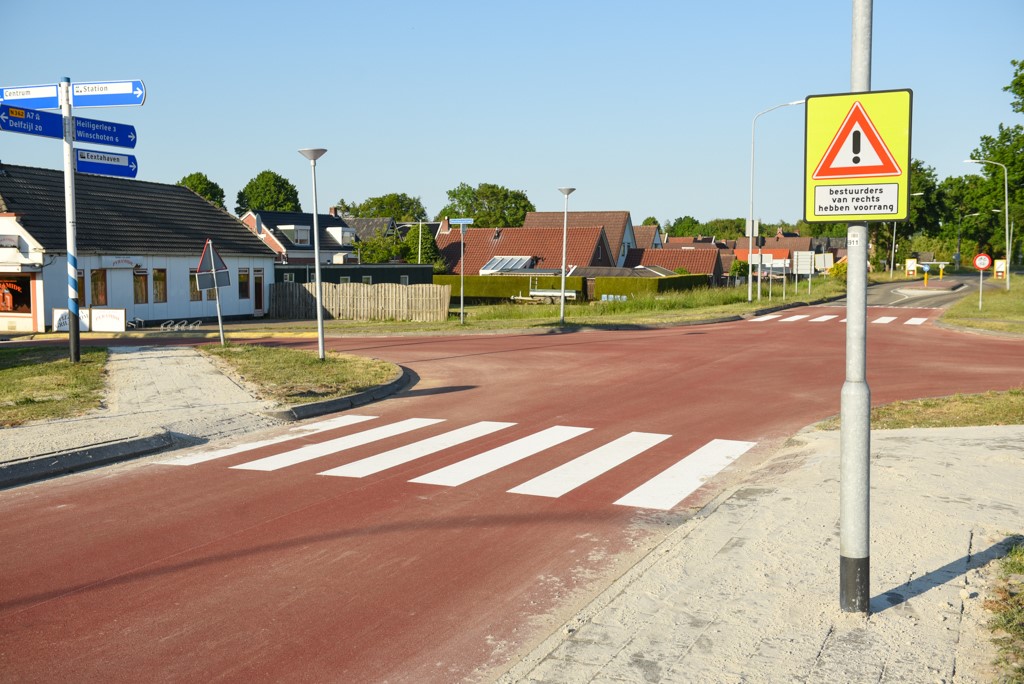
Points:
(838, 271)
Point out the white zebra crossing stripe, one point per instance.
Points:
(766, 317)
(571, 475)
(304, 430)
(884, 319)
(916, 321)
(410, 452)
(311, 451)
(822, 319)
(665, 491)
(790, 319)
(489, 461)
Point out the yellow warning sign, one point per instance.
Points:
(857, 156)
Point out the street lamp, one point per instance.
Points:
(750, 220)
(565, 234)
(312, 154)
(1006, 208)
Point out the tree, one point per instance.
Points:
(1016, 86)
(204, 187)
(685, 226)
(489, 205)
(382, 248)
(398, 206)
(268, 192)
(650, 221)
(420, 246)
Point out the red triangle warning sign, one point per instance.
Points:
(210, 261)
(857, 151)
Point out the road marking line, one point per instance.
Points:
(311, 451)
(304, 430)
(489, 461)
(766, 317)
(884, 319)
(822, 319)
(916, 321)
(798, 317)
(666, 490)
(571, 475)
(410, 452)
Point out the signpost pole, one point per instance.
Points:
(981, 286)
(69, 214)
(855, 400)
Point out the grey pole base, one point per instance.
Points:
(853, 584)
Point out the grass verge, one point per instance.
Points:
(959, 410)
(1008, 615)
(1001, 310)
(296, 376)
(41, 383)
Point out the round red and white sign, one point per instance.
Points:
(982, 261)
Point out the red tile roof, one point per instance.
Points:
(585, 246)
(615, 224)
(741, 254)
(645, 236)
(696, 261)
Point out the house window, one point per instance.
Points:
(160, 285)
(288, 277)
(367, 280)
(344, 279)
(211, 294)
(194, 295)
(98, 280)
(243, 283)
(403, 280)
(16, 294)
(81, 289)
(140, 284)
(301, 235)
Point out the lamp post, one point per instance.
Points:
(312, 154)
(750, 219)
(1006, 208)
(565, 235)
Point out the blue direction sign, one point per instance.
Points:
(105, 133)
(106, 164)
(108, 94)
(32, 97)
(32, 122)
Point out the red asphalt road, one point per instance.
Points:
(146, 571)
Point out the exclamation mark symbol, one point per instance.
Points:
(856, 147)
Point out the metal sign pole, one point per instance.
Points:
(855, 400)
(69, 213)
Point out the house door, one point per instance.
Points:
(257, 277)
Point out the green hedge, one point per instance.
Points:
(506, 287)
(641, 286)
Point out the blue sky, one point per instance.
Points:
(643, 106)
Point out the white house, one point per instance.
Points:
(138, 247)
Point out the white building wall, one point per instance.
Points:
(121, 289)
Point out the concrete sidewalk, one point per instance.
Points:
(748, 591)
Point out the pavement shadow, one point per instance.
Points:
(947, 573)
(414, 379)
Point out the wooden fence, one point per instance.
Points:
(361, 302)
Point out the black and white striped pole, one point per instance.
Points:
(64, 90)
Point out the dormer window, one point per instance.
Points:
(301, 235)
